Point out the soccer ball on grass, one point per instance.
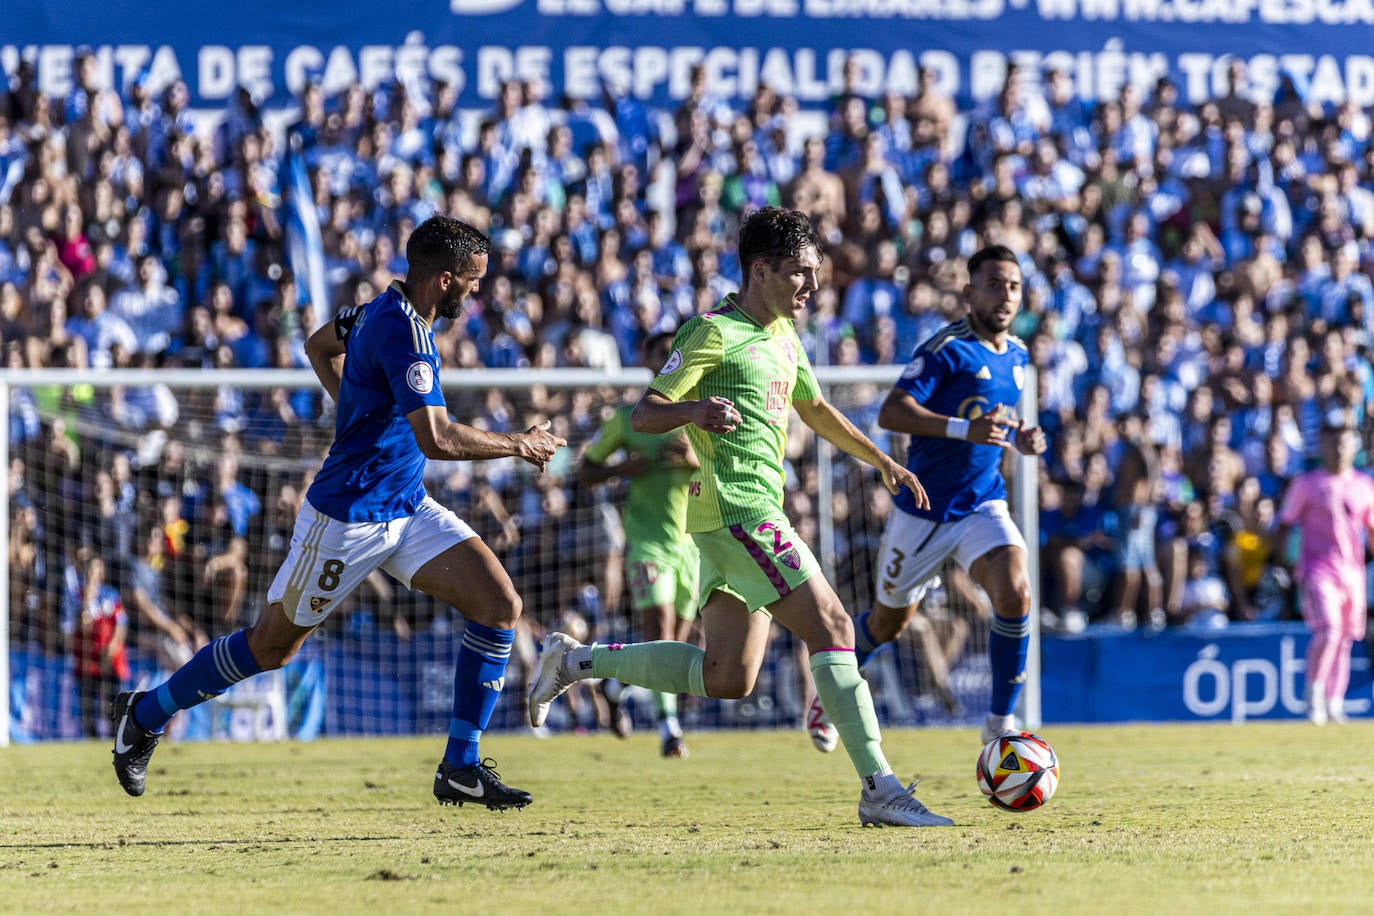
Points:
(1018, 772)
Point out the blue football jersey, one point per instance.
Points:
(958, 374)
(374, 469)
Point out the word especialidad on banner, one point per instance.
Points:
(798, 47)
(652, 72)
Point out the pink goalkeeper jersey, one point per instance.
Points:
(1333, 512)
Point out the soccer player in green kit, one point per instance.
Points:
(730, 380)
(661, 562)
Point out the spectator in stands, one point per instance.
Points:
(97, 626)
(152, 309)
(1136, 497)
(1205, 597)
(100, 330)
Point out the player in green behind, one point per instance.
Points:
(731, 379)
(661, 561)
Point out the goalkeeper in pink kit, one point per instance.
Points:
(1333, 508)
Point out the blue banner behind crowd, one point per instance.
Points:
(375, 684)
(649, 46)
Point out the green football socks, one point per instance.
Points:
(844, 694)
(668, 667)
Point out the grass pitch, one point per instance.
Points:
(1215, 819)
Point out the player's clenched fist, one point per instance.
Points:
(717, 415)
(1030, 440)
(540, 444)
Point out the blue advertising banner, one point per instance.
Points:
(1231, 675)
(371, 683)
(649, 46)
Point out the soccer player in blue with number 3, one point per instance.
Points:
(367, 508)
(956, 399)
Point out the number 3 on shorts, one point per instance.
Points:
(330, 574)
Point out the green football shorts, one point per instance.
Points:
(660, 574)
(758, 562)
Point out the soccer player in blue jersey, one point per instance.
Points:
(367, 508)
(957, 399)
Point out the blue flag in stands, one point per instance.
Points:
(304, 247)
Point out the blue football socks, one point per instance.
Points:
(477, 683)
(1007, 645)
(864, 643)
(219, 665)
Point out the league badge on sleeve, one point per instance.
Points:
(420, 377)
(915, 367)
(673, 364)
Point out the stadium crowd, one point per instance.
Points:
(1197, 295)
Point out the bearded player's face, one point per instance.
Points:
(993, 294)
(460, 284)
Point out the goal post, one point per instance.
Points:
(100, 462)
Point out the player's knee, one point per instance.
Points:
(727, 684)
(509, 608)
(885, 623)
(1016, 601)
(269, 656)
(833, 627)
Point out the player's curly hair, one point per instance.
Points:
(773, 234)
(443, 243)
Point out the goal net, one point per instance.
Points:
(153, 508)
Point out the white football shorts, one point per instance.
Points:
(913, 549)
(329, 558)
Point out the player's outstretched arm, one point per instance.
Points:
(325, 350)
(442, 439)
(902, 413)
(655, 413)
(835, 428)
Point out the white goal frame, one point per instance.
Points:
(1025, 483)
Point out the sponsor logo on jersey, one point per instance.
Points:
(789, 351)
(914, 368)
(317, 602)
(673, 364)
(420, 377)
(972, 408)
(984, 374)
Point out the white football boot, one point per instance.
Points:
(996, 727)
(888, 807)
(553, 676)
